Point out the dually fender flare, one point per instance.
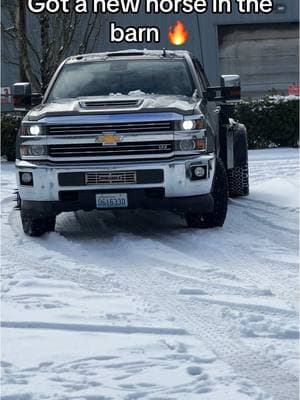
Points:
(237, 145)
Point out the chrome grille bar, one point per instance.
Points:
(117, 128)
(110, 178)
(90, 149)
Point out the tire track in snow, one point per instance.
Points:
(197, 317)
(248, 202)
(249, 268)
(245, 265)
(143, 225)
(199, 320)
(203, 322)
(145, 281)
(92, 328)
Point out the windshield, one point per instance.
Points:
(164, 77)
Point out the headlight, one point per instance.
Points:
(191, 145)
(193, 124)
(36, 150)
(32, 130)
(188, 125)
(35, 130)
(187, 145)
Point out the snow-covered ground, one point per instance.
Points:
(133, 305)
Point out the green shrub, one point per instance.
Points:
(10, 124)
(271, 122)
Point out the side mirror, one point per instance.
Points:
(36, 99)
(22, 96)
(210, 94)
(231, 87)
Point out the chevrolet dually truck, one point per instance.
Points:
(130, 129)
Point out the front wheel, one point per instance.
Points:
(220, 196)
(37, 226)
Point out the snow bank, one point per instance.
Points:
(279, 177)
(284, 192)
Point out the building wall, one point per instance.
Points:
(204, 36)
(203, 30)
(264, 55)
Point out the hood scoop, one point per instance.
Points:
(132, 104)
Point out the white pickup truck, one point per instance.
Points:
(131, 129)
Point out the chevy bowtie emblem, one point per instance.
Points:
(109, 139)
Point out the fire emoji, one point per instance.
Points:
(177, 34)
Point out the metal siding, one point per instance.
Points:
(266, 56)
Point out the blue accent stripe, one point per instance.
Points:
(110, 118)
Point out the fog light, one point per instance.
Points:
(26, 178)
(199, 172)
(187, 145)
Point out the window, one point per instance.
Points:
(102, 78)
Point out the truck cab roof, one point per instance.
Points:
(123, 54)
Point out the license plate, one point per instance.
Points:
(111, 200)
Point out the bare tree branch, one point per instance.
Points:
(44, 41)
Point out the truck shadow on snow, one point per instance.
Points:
(108, 224)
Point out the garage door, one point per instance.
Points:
(266, 56)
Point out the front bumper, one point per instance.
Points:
(176, 190)
(137, 199)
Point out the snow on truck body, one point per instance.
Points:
(130, 130)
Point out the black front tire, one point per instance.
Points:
(220, 195)
(37, 226)
(238, 181)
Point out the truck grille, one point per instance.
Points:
(121, 149)
(139, 177)
(110, 178)
(161, 126)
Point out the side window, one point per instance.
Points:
(201, 75)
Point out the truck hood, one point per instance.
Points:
(115, 104)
